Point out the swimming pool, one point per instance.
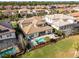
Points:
(10, 51)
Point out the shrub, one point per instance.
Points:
(7, 56)
(47, 38)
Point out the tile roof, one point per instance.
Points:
(32, 27)
(76, 14)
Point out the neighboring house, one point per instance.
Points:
(30, 7)
(40, 7)
(9, 12)
(40, 11)
(64, 23)
(1, 7)
(8, 41)
(33, 11)
(60, 6)
(75, 8)
(23, 12)
(23, 7)
(16, 7)
(52, 7)
(8, 7)
(6, 23)
(76, 15)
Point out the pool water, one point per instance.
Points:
(40, 40)
(37, 41)
(6, 52)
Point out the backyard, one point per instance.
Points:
(64, 48)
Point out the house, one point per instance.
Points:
(9, 12)
(8, 41)
(16, 7)
(60, 6)
(25, 12)
(76, 15)
(30, 7)
(35, 27)
(23, 7)
(40, 7)
(1, 7)
(38, 11)
(75, 8)
(6, 23)
(61, 22)
(8, 7)
(22, 10)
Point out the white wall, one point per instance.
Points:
(7, 36)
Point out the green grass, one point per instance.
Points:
(51, 50)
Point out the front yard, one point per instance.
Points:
(63, 48)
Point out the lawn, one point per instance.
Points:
(63, 48)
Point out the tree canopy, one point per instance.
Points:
(36, 3)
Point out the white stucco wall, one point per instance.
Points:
(7, 36)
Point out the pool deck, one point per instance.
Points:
(51, 36)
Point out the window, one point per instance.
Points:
(49, 32)
(64, 27)
(0, 36)
(8, 35)
(31, 36)
(42, 33)
(36, 34)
